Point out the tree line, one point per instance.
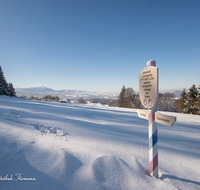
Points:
(6, 89)
(188, 102)
(45, 98)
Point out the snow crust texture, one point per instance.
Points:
(52, 146)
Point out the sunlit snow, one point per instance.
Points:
(88, 147)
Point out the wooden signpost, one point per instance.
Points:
(148, 92)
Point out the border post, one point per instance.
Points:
(153, 136)
(148, 93)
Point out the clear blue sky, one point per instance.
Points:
(99, 45)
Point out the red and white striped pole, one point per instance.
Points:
(153, 137)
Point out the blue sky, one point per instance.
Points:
(99, 45)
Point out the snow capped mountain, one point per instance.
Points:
(43, 87)
(42, 91)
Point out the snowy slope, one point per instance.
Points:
(71, 146)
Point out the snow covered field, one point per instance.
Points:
(47, 145)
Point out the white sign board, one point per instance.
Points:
(148, 86)
(164, 119)
(143, 114)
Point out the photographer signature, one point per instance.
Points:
(16, 177)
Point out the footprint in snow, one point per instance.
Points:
(48, 130)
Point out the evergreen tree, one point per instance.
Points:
(193, 95)
(121, 101)
(198, 105)
(12, 90)
(182, 103)
(189, 102)
(129, 98)
(4, 89)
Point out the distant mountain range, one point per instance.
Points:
(42, 91)
(63, 94)
(177, 93)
